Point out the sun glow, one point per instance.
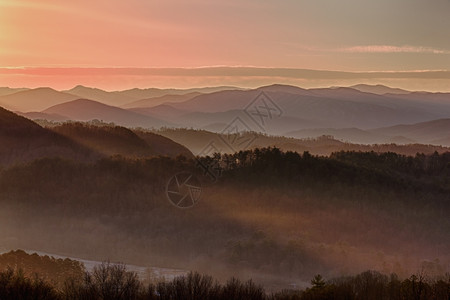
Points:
(174, 34)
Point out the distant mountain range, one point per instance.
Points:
(433, 132)
(7, 91)
(111, 98)
(38, 99)
(357, 114)
(315, 108)
(126, 98)
(33, 100)
(436, 132)
(378, 89)
(169, 98)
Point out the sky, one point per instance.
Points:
(68, 42)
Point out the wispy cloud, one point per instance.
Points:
(393, 49)
(222, 72)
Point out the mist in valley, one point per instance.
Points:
(221, 150)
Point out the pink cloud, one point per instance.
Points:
(393, 49)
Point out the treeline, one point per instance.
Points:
(114, 282)
(107, 182)
(421, 174)
(273, 159)
(371, 285)
(270, 213)
(420, 165)
(50, 269)
(110, 186)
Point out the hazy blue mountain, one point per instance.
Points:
(150, 102)
(34, 99)
(352, 135)
(43, 116)
(163, 111)
(8, 91)
(139, 94)
(337, 107)
(110, 98)
(378, 89)
(433, 132)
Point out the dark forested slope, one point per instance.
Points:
(116, 140)
(22, 140)
(276, 216)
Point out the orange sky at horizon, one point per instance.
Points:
(319, 35)
(113, 79)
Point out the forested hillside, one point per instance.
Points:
(49, 269)
(22, 141)
(278, 217)
(114, 140)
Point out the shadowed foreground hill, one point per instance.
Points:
(114, 140)
(22, 140)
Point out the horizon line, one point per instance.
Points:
(122, 78)
(229, 71)
(224, 86)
